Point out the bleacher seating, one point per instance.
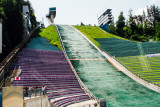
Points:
(41, 43)
(50, 68)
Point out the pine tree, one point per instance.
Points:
(120, 24)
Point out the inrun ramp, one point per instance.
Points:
(101, 77)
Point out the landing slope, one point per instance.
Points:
(140, 58)
(101, 78)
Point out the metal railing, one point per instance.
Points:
(33, 93)
(12, 54)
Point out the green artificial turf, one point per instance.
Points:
(147, 68)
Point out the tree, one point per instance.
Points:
(82, 24)
(14, 21)
(13, 24)
(132, 23)
(153, 15)
(125, 32)
(140, 29)
(157, 29)
(32, 15)
(120, 24)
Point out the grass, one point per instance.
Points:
(93, 32)
(50, 34)
(144, 67)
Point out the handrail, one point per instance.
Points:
(79, 80)
(11, 55)
(15, 50)
(33, 92)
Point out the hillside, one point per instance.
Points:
(50, 34)
(93, 32)
(133, 55)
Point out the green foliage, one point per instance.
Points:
(11, 14)
(93, 32)
(141, 27)
(2, 14)
(82, 24)
(157, 29)
(36, 33)
(50, 34)
(13, 24)
(153, 14)
(125, 32)
(32, 15)
(131, 24)
(120, 24)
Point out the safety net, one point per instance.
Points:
(143, 59)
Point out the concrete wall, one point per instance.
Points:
(12, 96)
(0, 36)
(38, 102)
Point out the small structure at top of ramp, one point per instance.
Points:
(51, 15)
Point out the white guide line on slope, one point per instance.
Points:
(122, 68)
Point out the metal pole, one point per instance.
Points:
(0, 35)
(3, 81)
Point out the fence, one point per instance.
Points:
(33, 93)
(4, 64)
(122, 48)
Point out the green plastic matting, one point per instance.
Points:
(42, 44)
(101, 77)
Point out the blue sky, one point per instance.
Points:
(72, 12)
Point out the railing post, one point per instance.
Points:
(30, 94)
(0, 35)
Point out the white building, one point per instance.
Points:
(106, 18)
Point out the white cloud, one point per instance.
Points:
(140, 11)
(152, 1)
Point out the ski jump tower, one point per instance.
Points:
(51, 15)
